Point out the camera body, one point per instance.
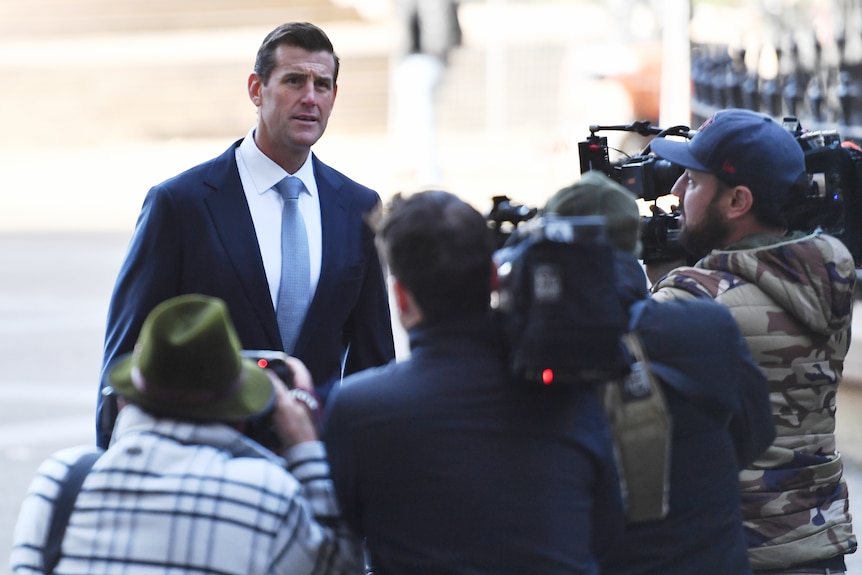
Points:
(505, 216)
(261, 428)
(271, 359)
(832, 201)
(558, 302)
(647, 177)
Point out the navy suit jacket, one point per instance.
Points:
(195, 235)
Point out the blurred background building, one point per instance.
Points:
(113, 95)
(109, 91)
(785, 58)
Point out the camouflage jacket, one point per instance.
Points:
(793, 301)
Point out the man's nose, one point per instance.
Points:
(308, 93)
(678, 188)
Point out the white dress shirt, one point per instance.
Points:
(259, 175)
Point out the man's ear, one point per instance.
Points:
(254, 88)
(408, 310)
(402, 298)
(739, 202)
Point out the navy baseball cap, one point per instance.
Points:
(741, 147)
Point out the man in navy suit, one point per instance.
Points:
(216, 229)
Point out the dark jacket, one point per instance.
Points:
(446, 465)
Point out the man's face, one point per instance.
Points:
(703, 225)
(295, 103)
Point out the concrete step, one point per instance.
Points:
(163, 85)
(29, 18)
(136, 75)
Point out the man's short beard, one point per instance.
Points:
(710, 234)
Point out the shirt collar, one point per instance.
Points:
(265, 173)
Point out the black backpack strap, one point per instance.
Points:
(63, 505)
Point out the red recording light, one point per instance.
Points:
(548, 376)
(262, 363)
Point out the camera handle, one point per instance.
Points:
(646, 129)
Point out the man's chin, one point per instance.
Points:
(694, 248)
(306, 140)
(308, 132)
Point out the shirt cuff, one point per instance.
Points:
(307, 459)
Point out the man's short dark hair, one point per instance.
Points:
(299, 34)
(441, 249)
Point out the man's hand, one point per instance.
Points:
(292, 418)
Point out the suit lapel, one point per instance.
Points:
(232, 220)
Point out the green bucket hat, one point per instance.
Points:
(187, 365)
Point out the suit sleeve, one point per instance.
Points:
(149, 275)
(368, 331)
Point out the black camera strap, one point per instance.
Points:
(63, 505)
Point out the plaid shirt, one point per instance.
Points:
(174, 497)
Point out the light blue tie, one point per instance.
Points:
(293, 294)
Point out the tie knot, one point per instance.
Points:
(289, 187)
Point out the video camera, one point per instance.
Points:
(558, 301)
(646, 175)
(832, 202)
(649, 178)
(505, 216)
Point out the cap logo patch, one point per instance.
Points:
(728, 167)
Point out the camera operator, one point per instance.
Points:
(792, 295)
(443, 462)
(716, 396)
(181, 489)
